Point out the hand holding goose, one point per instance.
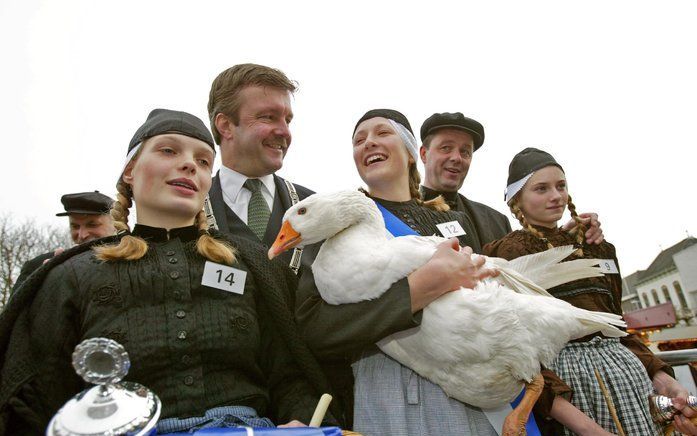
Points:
(486, 343)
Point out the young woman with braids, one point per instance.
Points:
(390, 398)
(537, 196)
(221, 354)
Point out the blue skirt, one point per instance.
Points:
(392, 399)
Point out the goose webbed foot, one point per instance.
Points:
(514, 424)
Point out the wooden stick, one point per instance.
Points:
(320, 410)
(610, 404)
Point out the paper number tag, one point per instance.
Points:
(453, 228)
(224, 277)
(608, 266)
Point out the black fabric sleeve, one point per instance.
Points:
(337, 332)
(305, 379)
(290, 394)
(52, 333)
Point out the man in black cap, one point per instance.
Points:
(448, 142)
(88, 215)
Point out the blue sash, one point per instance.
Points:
(397, 228)
(393, 224)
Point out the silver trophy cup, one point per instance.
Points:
(110, 408)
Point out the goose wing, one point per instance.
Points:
(534, 273)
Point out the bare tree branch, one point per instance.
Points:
(20, 242)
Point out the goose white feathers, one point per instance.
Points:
(479, 345)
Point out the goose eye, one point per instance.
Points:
(302, 211)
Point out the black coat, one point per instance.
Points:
(490, 223)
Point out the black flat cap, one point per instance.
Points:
(168, 121)
(454, 121)
(86, 203)
(527, 162)
(390, 114)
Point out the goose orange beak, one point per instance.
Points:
(287, 238)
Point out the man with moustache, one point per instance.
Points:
(250, 113)
(448, 143)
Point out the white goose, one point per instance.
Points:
(480, 346)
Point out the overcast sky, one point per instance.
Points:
(609, 88)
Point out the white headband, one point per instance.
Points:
(130, 155)
(515, 187)
(407, 138)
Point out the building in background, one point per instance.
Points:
(671, 278)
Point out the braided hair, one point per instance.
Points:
(129, 247)
(437, 203)
(579, 230)
(212, 249)
(518, 213)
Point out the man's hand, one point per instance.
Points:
(594, 234)
(683, 420)
(55, 253)
(450, 268)
(668, 386)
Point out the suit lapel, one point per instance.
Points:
(218, 204)
(281, 203)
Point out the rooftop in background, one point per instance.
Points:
(663, 262)
(629, 284)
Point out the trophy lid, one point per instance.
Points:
(108, 408)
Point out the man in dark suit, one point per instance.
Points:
(88, 216)
(448, 142)
(250, 113)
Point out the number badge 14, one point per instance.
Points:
(223, 277)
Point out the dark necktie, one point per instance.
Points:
(258, 210)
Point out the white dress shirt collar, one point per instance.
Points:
(237, 198)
